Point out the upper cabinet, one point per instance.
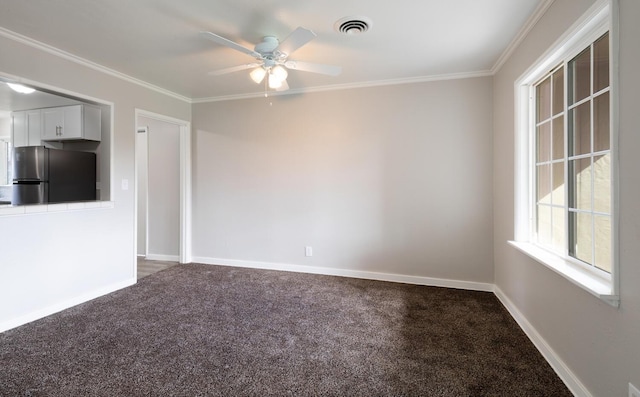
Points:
(71, 123)
(26, 127)
(74, 122)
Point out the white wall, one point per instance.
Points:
(599, 343)
(390, 179)
(163, 183)
(50, 260)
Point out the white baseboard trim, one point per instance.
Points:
(166, 258)
(47, 311)
(327, 271)
(563, 371)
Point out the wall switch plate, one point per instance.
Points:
(633, 391)
(308, 251)
(125, 184)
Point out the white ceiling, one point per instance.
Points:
(157, 41)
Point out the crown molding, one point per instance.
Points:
(349, 86)
(542, 8)
(85, 62)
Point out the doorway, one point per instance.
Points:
(163, 188)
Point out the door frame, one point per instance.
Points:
(185, 184)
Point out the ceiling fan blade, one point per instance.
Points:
(233, 69)
(329, 70)
(283, 87)
(295, 40)
(226, 42)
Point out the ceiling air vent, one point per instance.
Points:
(353, 25)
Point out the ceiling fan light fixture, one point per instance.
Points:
(274, 81)
(257, 75)
(280, 72)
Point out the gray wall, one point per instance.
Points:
(53, 259)
(393, 179)
(599, 343)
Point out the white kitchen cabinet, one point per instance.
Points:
(71, 123)
(26, 128)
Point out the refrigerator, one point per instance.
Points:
(42, 175)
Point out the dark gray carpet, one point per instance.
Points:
(199, 330)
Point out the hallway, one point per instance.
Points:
(147, 267)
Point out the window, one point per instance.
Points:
(574, 218)
(565, 179)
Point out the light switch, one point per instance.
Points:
(125, 184)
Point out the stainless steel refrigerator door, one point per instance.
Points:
(29, 193)
(29, 163)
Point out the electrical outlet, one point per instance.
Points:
(633, 391)
(308, 251)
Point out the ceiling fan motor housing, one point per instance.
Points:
(267, 46)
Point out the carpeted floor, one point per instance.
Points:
(200, 330)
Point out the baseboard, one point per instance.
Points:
(397, 278)
(166, 258)
(563, 371)
(47, 311)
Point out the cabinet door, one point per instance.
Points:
(72, 125)
(34, 125)
(19, 135)
(52, 121)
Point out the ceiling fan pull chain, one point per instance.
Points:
(265, 88)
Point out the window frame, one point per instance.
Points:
(600, 18)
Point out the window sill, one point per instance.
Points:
(596, 286)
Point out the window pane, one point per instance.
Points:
(581, 245)
(601, 63)
(544, 183)
(580, 192)
(603, 242)
(602, 183)
(557, 237)
(558, 91)
(601, 122)
(544, 224)
(580, 76)
(558, 138)
(543, 100)
(580, 130)
(557, 196)
(544, 142)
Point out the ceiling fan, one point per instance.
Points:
(272, 58)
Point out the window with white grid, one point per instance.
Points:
(566, 179)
